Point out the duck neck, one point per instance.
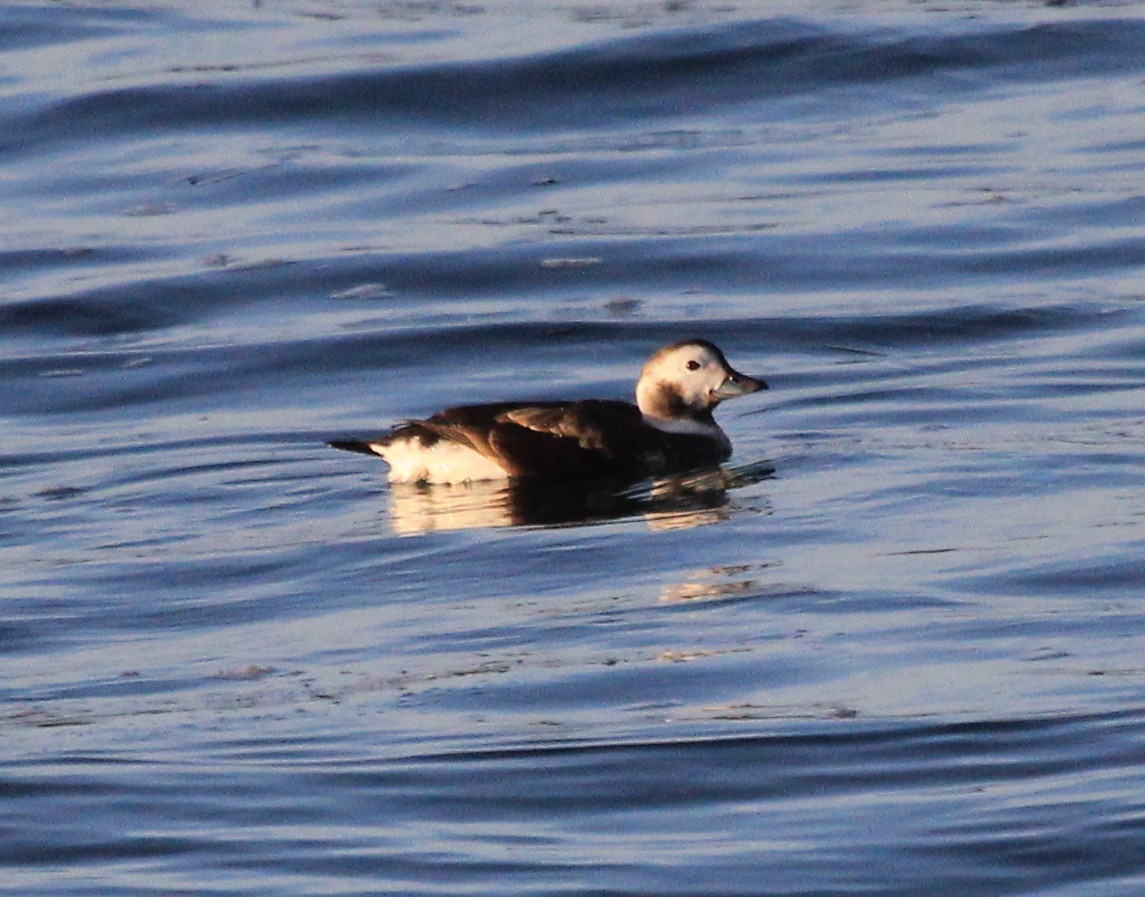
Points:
(665, 409)
(693, 424)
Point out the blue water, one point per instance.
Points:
(894, 648)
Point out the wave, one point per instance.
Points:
(666, 76)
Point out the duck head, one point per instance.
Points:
(683, 382)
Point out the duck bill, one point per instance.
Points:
(738, 384)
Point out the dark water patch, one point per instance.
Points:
(1107, 212)
(480, 356)
(450, 282)
(107, 312)
(946, 327)
(167, 186)
(1109, 255)
(932, 797)
(599, 87)
(896, 755)
(24, 27)
(126, 685)
(1105, 579)
(240, 591)
(18, 260)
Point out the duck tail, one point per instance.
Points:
(348, 445)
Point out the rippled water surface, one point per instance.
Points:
(894, 647)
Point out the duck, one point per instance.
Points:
(669, 430)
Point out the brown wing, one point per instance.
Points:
(549, 438)
(560, 439)
(583, 438)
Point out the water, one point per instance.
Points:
(894, 648)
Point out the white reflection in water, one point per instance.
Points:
(728, 581)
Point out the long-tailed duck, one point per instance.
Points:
(670, 428)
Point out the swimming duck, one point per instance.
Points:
(670, 428)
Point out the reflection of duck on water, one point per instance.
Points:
(675, 502)
(670, 429)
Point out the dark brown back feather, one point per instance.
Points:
(563, 439)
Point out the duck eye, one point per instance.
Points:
(693, 365)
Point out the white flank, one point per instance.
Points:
(443, 462)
